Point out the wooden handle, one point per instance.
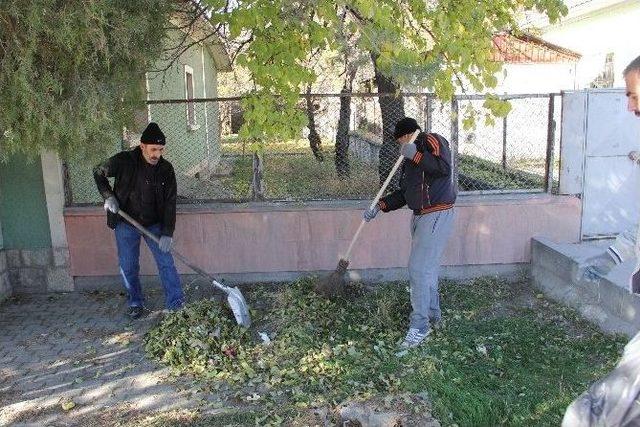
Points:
(353, 241)
(379, 195)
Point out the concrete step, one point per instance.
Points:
(608, 303)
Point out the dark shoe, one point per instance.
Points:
(135, 312)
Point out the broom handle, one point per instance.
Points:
(379, 195)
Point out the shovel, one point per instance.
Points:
(235, 299)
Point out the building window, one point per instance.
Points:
(188, 93)
(606, 77)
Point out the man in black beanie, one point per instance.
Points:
(427, 187)
(145, 188)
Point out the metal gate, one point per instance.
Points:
(597, 135)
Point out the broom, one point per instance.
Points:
(334, 283)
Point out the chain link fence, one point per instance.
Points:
(345, 152)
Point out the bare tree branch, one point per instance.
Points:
(241, 47)
(446, 57)
(183, 49)
(355, 14)
(188, 28)
(189, 25)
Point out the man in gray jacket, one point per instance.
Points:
(615, 399)
(625, 246)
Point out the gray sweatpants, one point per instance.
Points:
(429, 236)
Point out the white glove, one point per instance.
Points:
(111, 205)
(166, 243)
(369, 214)
(408, 150)
(635, 156)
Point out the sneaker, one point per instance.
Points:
(135, 312)
(415, 337)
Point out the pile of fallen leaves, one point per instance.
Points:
(202, 339)
(302, 349)
(504, 355)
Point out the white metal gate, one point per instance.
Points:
(597, 135)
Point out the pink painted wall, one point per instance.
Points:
(489, 230)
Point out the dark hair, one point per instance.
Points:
(633, 66)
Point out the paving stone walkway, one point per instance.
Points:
(80, 347)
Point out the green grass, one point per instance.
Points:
(302, 177)
(495, 176)
(505, 356)
(298, 146)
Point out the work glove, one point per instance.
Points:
(595, 268)
(166, 243)
(371, 213)
(635, 156)
(408, 150)
(111, 205)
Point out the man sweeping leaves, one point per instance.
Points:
(145, 187)
(427, 187)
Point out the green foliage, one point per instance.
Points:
(504, 356)
(71, 72)
(438, 45)
(493, 175)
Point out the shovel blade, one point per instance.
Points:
(237, 304)
(239, 307)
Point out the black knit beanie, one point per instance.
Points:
(153, 135)
(405, 126)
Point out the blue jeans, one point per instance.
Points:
(128, 242)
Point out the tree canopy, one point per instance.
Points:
(71, 71)
(435, 44)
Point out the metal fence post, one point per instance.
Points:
(428, 113)
(504, 142)
(551, 137)
(454, 140)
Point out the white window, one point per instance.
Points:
(188, 94)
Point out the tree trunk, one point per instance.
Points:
(257, 180)
(392, 110)
(342, 135)
(314, 139)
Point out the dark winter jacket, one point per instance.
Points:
(427, 180)
(123, 167)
